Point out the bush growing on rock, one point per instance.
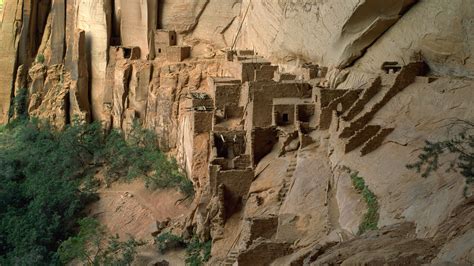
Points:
(167, 241)
(40, 58)
(197, 252)
(371, 217)
(460, 146)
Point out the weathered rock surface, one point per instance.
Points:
(398, 244)
(268, 144)
(138, 19)
(9, 37)
(445, 44)
(94, 17)
(338, 31)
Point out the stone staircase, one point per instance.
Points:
(376, 141)
(354, 127)
(361, 137)
(231, 258)
(287, 180)
(340, 102)
(357, 117)
(366, 96)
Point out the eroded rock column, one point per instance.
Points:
(94, 17)
(138, 20)
(10, 30)
(58, 31)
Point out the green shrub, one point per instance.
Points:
(166, 174)
(19, 108)
(138, 156)
(371, 217)
(92, 247)
(40, 58)
(39, 191)
(197, 253)
(167, 241)
(46, 180)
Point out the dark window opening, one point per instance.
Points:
(221, 146)
(285, 118)
(127, 53)
(305, 113)
(159, 51)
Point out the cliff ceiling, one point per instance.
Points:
(276, 110)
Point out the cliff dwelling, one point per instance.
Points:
(227, 132)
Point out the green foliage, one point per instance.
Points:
(134, 156)
(19, 108)
(461, 146)
(167, 241)
(166, 174)
(91, 247)
(138, 156)
(39, 189)
(46, 180)
(371, 218)
(197, 253)
(40, 58)
(75, 247)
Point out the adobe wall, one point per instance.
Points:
(263, 140)
(177, 53)
(305, 112)
(264, 93)
(263, 253)
(202, 121)
(237, 184)
(332, 100)
(226, 94)
(264, 227)
(162, 40)
(284, 114)
(265, 72)
(246, 69)
(361, 137)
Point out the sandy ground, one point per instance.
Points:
(131, 209)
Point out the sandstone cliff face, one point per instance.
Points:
(270, 107)
(337, 33)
